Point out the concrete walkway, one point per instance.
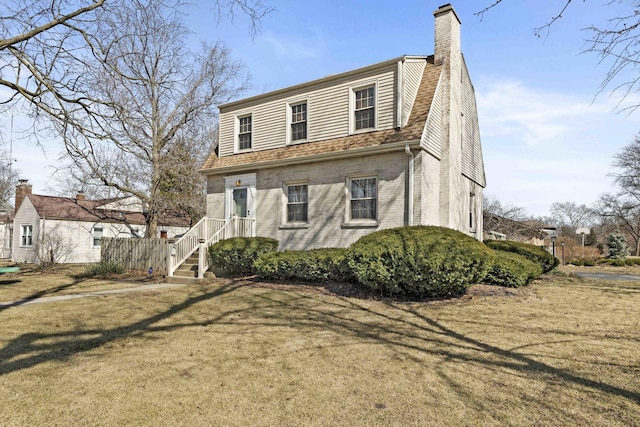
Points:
(88, 294)
(609, 276)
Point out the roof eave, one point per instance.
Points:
(332, 155)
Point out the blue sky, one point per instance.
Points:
(546, 137)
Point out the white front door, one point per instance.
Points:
(240, 195)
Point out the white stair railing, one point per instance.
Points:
(186, 245)
(205, 233)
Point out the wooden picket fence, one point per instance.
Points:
(134, 253)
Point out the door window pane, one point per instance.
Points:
(240, 202)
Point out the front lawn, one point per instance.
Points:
(234, 353)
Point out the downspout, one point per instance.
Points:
(410, 185)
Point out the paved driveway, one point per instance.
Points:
(609, 276)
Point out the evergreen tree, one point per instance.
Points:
(617, 246)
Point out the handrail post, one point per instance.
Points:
(171, 256)
(202, 256)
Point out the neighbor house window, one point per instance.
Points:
(299, 122)
(364, 108)
(26, 235)
(244, 133)
(97, 235)
(297, 202)
(363, 197)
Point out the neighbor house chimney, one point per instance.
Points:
(22, 189)
(80, 196)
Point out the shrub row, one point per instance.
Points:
(533, 253)
(238, 254)
(512, 270)
(418, 261)
(413, 261)
(313, 265)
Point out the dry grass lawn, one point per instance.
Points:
(233, 353)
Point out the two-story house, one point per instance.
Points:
(323, 163)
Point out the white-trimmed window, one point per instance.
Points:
(364, 108)
(26, 235)
(97, 235)
(298, 126)
(363, 199)
(244, 132)
(297, 203)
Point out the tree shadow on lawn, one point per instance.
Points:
(399, 328)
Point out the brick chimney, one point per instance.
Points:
(22, 190)
(80, 196)
(447, 53)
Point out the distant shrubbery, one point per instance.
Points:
(103, 269)
(238, 254)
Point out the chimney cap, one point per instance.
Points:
(448, 7)
(23, 181)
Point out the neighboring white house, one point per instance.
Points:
(79, 224)
(6, 234)
(323, 163)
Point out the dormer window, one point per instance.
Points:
(364, 111)
(244, 133)
(299, 122)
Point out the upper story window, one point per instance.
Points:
(363, 198)
(297, 202)
(97, 235)
(244, 133)
(299, 122)
(364, 108)
(26, 235)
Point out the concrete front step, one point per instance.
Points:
(183, 280)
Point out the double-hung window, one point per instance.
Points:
(26, 235)
(363, 197)
(244, 133)
(299, 122)
(297, 202)
(364, 108)
(97, 235)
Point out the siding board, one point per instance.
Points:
(327, 110)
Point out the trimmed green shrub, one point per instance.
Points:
(576, 261)
(419, 261)
(512, 270)
(103, 269)
(533, 253)
(632, 261)
(588, 262)
(615, 262)
(238, 254)
(313, 265)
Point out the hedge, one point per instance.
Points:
(238, 254)
(420, 261)
(533, 253)
(512, 270)
(312, 265)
